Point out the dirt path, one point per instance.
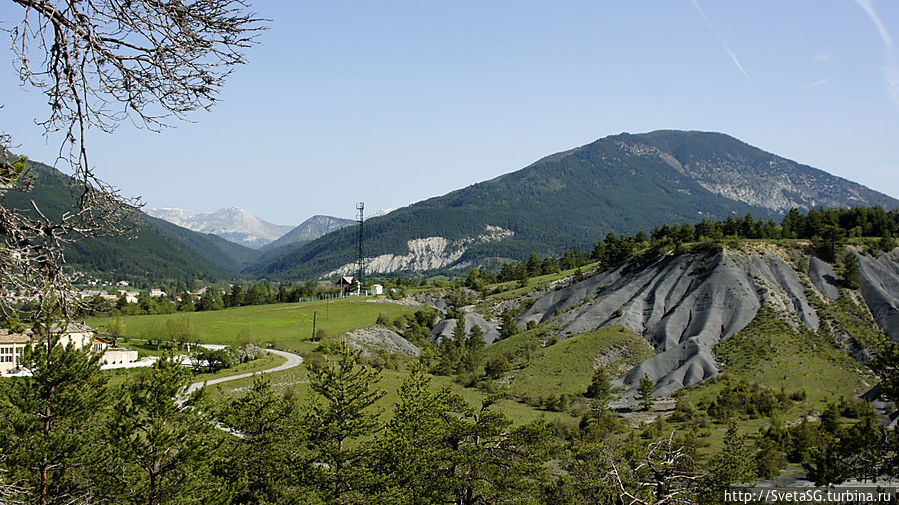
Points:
(292, 361)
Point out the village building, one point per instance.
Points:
(12, 345)
(130, 296)
(348, 284)
(76, 335)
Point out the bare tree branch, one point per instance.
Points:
(99, 63)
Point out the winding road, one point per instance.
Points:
(292, 361)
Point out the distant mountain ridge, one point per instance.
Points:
(309, 230)
(232, 223)
(622, 183)
(156, 249)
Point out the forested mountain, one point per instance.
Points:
(621, 183)
(156, 249)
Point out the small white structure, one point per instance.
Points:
(377, 289)
(118, 355)
(156, 293)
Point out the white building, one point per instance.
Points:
(77, 335)
(12, 345)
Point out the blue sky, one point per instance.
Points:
(394, 102)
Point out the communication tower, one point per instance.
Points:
(360, 250)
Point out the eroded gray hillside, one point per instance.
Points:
(823, 278)
(880, 287)
(683, 305)
(444, 329)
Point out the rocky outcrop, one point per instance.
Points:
(425, 254)
(377, 337)
(683, 305)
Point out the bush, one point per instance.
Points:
(329, 346)
(495, 368)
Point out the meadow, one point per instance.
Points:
(286, 326)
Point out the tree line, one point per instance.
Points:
(828, 229)
(68, 436)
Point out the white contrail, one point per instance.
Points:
(717, 33)
(884, 34)
(817, 83)
(891, 68)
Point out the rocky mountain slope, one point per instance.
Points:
(309, 230)
(685, 304)
(233, 223)
(623, 183)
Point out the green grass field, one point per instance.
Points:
(289, 327)
(286, 326)
(768, 352)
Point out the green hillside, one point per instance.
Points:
(156, 249)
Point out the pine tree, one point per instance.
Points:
(459, 331)
(161, 441)
(339, 416)
(850, 271)
(48, 433)
(645, 391)
(600, 387)
(492, 461)
(413, 458)
(732, 465)
(507, 326)
(260, 463)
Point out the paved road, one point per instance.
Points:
(292, 361)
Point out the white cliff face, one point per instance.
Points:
(425, 254)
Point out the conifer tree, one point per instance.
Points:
(340, 415)
(47, 436)
(850, 271)
(507, 326)
(734, 464)
(600, 387)
(459, 331)
(414, 461)
(259, 464)
(645, 390)
(161, 441)
(493, 462)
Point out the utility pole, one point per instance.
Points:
(314, 313)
